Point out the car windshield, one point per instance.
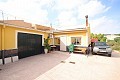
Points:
(100, 44)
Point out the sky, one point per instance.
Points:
(103, 15)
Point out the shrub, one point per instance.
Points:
(46, 44)
(111, 42)
(115, 44)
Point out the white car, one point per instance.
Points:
(101, 48)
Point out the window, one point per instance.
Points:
(100, 44)
(76, 40)
(57, 41)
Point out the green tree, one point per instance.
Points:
(103, 39)
(91, 35)
(100, 37)
(115, 44)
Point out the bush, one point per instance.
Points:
(111, 42)
(115, 44)
(117, 39)
(46, 44)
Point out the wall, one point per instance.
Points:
(9, 41)
(11, 36)
(74, 34)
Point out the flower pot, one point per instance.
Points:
(46, 51)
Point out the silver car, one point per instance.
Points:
(101, 48)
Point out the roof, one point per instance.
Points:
(44, 28)
(23, 24)
(19, 23)
(70, 30)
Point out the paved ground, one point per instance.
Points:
(50, 67)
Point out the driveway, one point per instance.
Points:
(62, 66)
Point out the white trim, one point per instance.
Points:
(16, 39)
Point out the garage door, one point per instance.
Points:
(29, 45)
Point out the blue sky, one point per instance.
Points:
(65, 14)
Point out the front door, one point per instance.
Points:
(63, 43)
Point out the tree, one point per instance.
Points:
(100, 37)
(103, 39)
(91, 35)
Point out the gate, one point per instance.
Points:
(29, 45)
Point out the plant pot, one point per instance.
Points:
(46, 51)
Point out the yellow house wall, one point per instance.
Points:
(74, 34)
(10, 36)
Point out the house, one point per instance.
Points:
(79, 36)
(19, 39)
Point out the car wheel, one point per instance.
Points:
(109, 55)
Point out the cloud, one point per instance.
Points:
(72, 13)
(65, 13)
(30, 10)
(105, 25)
(92, 8)
(66, 19)
(65, 4)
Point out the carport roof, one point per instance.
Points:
(70, 30)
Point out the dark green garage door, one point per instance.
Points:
(29, 45)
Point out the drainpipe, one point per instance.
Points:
(2, 40)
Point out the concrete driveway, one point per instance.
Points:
(62, 66)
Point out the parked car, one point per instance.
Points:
(101, 48)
